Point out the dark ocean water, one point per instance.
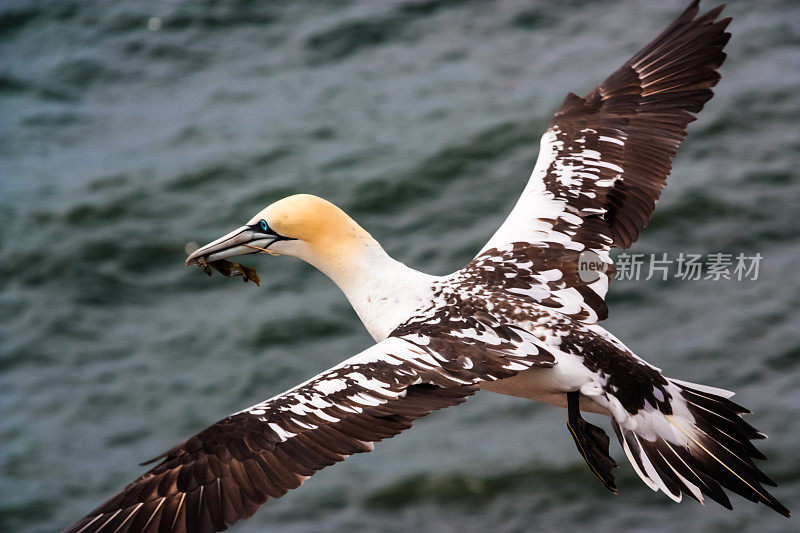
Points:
(128, 129)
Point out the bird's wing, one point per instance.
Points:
(225, 472)
(602, 165)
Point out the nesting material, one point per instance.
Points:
(230, 269)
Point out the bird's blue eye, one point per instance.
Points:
(264, 226)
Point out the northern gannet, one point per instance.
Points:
(519, 319)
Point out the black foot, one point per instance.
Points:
(592, 442)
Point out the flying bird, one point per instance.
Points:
(521, 319)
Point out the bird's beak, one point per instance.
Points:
(232, 244)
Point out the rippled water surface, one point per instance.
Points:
(128, 129)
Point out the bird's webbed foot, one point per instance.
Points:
(592, 442)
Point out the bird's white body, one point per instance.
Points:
(385, 293)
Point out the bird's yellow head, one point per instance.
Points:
(303, 226)
(313, 220)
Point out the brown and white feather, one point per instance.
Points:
(602, 165)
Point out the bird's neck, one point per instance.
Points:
(383, 292)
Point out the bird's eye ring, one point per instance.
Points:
(263, 224)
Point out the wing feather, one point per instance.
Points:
(601, 168)
(225, 472)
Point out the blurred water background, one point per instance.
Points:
(131, 128)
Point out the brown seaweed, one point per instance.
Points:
(230, 269)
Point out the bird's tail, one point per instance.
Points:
(698, 448)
